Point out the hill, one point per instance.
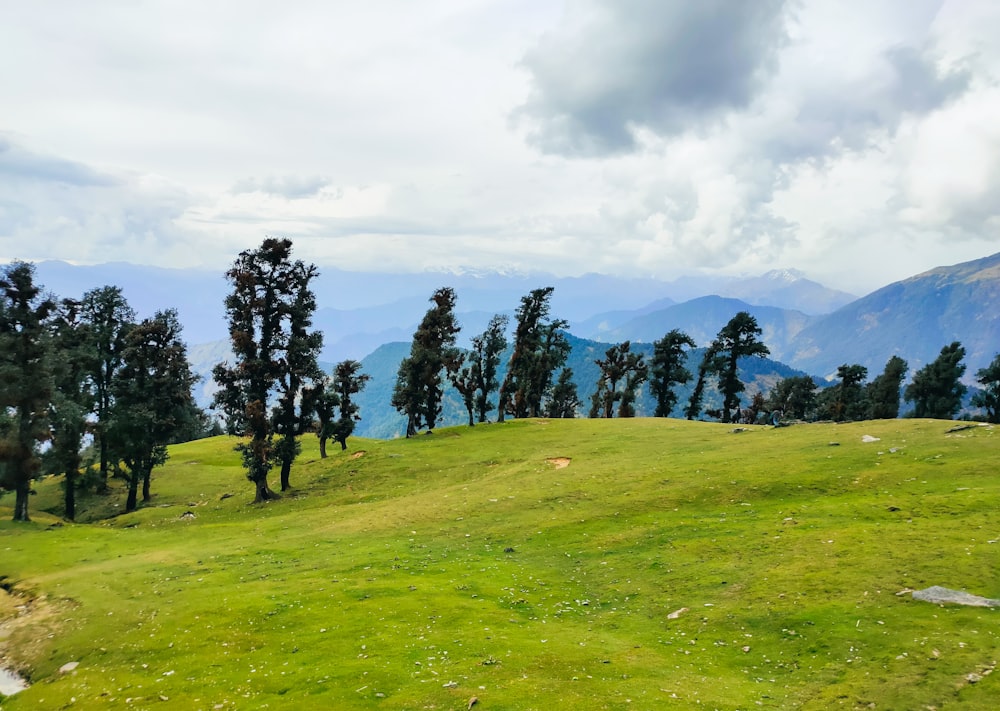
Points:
(379, 419)
(567, 564)
(913, 319)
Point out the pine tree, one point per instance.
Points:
(989, 397)
(564, 401)
(667, 370)
(268, 329)
(794, 396)
(348, 381)
(540, 347)
(25, 380)
(737, 339)
(108, 317)
(293, 412)
(620, 366)
(848, 401)
(936, 390)
(152, 396)
(419, 383)
(487, 348)
(70, 356)
(883, 392)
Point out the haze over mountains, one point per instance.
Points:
(807, 326)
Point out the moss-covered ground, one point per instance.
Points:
(583, 564)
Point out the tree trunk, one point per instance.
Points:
(102, 482)
(472, 418)
(133, 491)
(322, 447)
(21, 501)
(286, 470)
(71, 494)
(264, 492)
(145, 486)
(343, 443)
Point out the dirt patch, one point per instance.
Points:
(28, 623)
(357, 455)
(558, 462)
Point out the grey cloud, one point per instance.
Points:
(19, 163)
(288, 186)
(659, 65)
(839, 115)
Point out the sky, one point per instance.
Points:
(856, 142)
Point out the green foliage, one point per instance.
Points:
(547, 587)
(108, 318)
(269, 312)
(540, 347)
(667, 370)
(419, 383)
(70, 354)
(936, 390)
(348, 381)
(736, 340)
(794, 397)
(883, 393)
(25, 379)
(152, 396)
(564, 401)
(846, 400)
(989, 397)
(484, 360)
(622, 373)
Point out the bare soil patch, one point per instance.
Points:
(559, 462)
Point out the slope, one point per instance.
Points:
(566, 564)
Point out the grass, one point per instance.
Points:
(475, 563)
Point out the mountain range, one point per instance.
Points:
(808, 327)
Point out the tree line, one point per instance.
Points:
(86, 377)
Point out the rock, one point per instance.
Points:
(68, 667)
(677, 613)
(187, 515)
(869, 438)
(472, 702)
(940, 595)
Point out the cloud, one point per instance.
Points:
(665, 66)
(19, 164)
(287, 186)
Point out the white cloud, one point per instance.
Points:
(649, 137)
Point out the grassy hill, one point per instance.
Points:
(537, 564)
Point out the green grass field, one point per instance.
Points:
(531, 565)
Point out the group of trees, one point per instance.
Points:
(71, 370)
(273, 391)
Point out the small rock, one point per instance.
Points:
(869, 438)
(450, 684)
(746, 648)
(833, 444)
(973, 678)
(472, 702)
(677, 613)
(68, 667)
(187, 515)
(940, 595)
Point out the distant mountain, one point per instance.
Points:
(702, 319)
(783, 288)
(913, 319)
(380, 420)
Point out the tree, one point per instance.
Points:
(325, 403)
(989, 397)
(539, 348)
(108, 318)
(564, 400)
(737, 339)
(268, 288)
(848, 401)
(706, 366)
(347, 382)
(936, 390)
(460, 373)
(484, 361)
(152, 395)
(69, 351)
(619, 366)
(25, 379)
(882, 394)
(293, 411)
(667, 370)
(794, 396)
(419, 384)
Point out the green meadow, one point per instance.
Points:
(583, 564)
